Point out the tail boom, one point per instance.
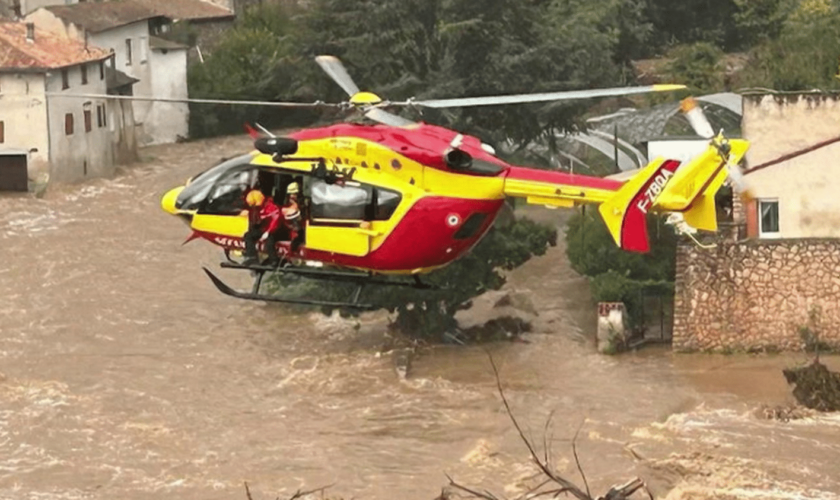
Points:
(557, 189)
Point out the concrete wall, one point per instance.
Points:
(123, 135)
(756, 295)
(806, 187)
(81, 154)
(23, 111)
(45, 20)
(139, 67)
(27, 6)
(167, 121)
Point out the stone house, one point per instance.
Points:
(130, 29)
(41, 132)
(776, 283)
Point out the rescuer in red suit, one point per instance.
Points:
(264, 218)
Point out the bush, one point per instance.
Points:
(616, 275)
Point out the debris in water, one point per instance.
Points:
(815, 386)
(784, 413)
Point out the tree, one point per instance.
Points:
(698, 66)
(806, 53)
(256, 60)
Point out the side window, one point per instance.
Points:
(348, 202)
(228, 194)
(386, 203)
(768, 211)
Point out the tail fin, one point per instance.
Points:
(692, 191)
(625, 212)
(702, 214)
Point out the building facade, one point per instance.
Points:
(127, 28)
(41, 132)
(795, 140)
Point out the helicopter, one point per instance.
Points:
(388, 202)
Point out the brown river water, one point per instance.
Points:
(125, 375)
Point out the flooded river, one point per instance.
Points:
(125, 375)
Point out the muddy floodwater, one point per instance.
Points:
(125, 375)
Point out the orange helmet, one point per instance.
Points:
(254, 198)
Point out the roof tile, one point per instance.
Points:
(187, 9)
(47, 51)
(102, 16)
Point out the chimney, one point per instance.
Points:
(30, 32)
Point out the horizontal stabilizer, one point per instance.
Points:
(625, 212)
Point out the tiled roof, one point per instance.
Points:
(187, 9)
(102, 16)
(47, 51)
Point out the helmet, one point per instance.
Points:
(254, 198)
(293, 188)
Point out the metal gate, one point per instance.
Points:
(13, 173)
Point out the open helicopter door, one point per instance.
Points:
(339, 219)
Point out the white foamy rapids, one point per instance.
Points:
(20, 223)
(726, 454)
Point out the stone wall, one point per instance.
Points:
(756, 295)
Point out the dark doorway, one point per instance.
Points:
(13, 174)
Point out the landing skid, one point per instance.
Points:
(361, 279)
(255, 295)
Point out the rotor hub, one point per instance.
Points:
(365, 99)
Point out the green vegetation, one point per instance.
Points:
(616, 275)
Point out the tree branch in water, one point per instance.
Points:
(561, 484)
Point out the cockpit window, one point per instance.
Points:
(199, 187)
(228, 194)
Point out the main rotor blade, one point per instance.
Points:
(382, 116)
(333, 67)
(696, 118)
(548, 96)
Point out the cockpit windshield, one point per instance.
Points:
(199, 187)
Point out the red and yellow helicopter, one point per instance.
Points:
(406, 198)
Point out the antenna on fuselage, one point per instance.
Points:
(264, 130)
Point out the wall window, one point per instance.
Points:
(768, 218)
(68, 124)
(88, 121)
(83, 67)
(101, 70)
(65, 79)
(144, 47)
(2, 132)
(100, 115)
(128, 51)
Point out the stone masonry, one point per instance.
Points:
(757, 295)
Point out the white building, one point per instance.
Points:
(128, 29)
(791, 169)
(67, 138)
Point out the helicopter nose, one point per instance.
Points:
(167, 203)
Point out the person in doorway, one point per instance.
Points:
(264, 218)
(291, 213)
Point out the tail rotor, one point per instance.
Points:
(698, 121)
